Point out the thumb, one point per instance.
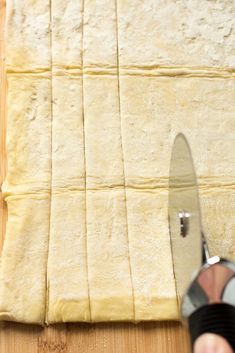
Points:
(210, 343)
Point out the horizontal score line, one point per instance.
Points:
(145, 71)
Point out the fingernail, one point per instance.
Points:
(210, 343)
(205, 345)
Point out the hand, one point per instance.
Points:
(210, 343)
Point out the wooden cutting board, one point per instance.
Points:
(152, 337)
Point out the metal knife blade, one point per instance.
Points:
(204, 284)
(184, 216)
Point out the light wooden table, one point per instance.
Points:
(158, 337)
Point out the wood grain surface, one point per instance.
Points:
(152, 337)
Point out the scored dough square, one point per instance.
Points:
(67, 262)
(155, 109)
(24, 259)
(108, 259)
(150, 254)
(178, 33)
(28, 134)
(100, 39)
(218, 209)
(67, 133)
(28, 35)
(103, 143)
(67, 22)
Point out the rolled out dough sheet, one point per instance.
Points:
(97, 91)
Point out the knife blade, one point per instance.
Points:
(184, 216)
(205, 286)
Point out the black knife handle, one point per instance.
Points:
(213, 318)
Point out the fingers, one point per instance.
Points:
(210, 343)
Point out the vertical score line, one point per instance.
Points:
(51, 181)
(85, 163)
(3, 88)
(123, 159)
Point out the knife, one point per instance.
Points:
(205, 286)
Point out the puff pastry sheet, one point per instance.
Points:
(97, 91)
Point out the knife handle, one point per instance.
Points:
(214, 318)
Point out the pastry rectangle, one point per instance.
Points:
(109, 268)
(155, 109)
(28, 134)
(67, 281)
(28, 39)
(100, 36)
(103, 141)
(67, 33)
(150, 255)
(68, 159)
(176, 34)
(24, 259)
(218, 207)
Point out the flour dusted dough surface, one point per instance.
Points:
(28, 35)
(28, 134)
(23, 259)
(148, 231)
(100, 35)
(154, 109)
(67, 22)
(219, 203)
(67, 270)
(109, 271)
(93, 109)
(176, 33)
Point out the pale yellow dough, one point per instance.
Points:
(92, 116)
(28, 134)
(155, 109)
(176, 33)
(23, 259)
(28, 35)
(66, 35)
